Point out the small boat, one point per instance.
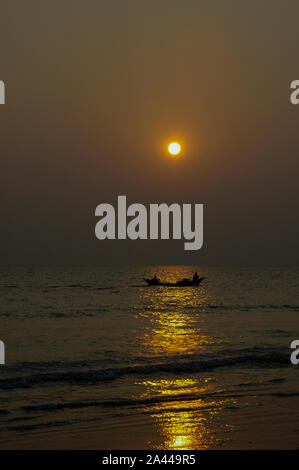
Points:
(181, 283)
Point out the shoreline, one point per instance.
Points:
(259, 425)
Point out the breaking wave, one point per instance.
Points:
(247, 358)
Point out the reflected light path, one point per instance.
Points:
(183, 415)
(183, 424)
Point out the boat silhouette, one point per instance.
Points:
(181, 283)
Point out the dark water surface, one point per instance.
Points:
(96, 359)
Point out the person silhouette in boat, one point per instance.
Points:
(195, 278)
(156, 280)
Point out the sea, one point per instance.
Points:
(96, 359)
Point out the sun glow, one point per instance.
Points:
(174, 148)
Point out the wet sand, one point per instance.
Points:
(255, 425)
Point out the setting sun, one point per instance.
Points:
(174, 148)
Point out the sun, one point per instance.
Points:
(174, 148)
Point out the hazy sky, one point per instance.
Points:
(95, 88)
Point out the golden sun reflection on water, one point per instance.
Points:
(183, 416)
(173, 328)
(182, 423)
